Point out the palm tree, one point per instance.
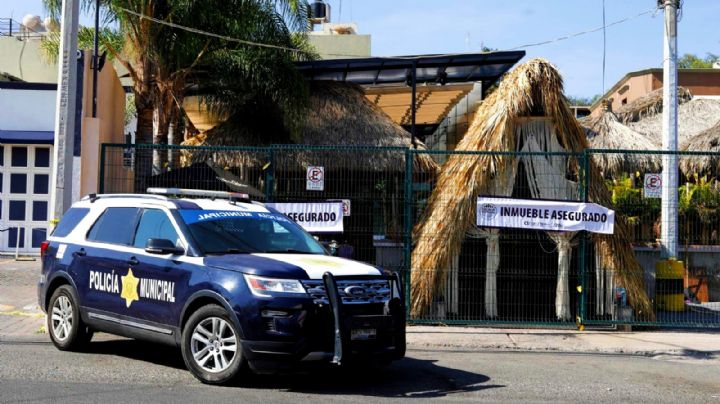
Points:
(164, 61)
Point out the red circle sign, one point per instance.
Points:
(653, 182)
(315, 174)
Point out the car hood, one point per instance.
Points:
(290, 266)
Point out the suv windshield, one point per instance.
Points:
(238, 232)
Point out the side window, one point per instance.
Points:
(154, 223)
(115, 226)
(69, 220)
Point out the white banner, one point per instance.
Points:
(544, 215)
(315, 217)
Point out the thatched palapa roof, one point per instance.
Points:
(649, 104)
(606, 132)
(533, 89)
(339, 114)
(695, 114)
(706, 141)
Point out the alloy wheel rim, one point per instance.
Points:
(213, 344)
(62, 318)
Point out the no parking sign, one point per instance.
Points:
(652, 186)
(315, 178)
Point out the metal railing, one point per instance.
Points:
(10, 27)
(505, 276)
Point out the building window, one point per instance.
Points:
(38, 236)
(42, 157)
(17, 210)
(19, 157)
(40, 209)
(41, 184)
(2, 156)
(18, 183)
(624, 101)
(13, 239)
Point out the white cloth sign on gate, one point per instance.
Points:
(544, 215)
(315, 217)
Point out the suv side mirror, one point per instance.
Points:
(162, 246)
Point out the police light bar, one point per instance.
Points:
(201, 193)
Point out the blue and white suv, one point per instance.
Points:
(228, 280)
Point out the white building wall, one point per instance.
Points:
(27, 110)
(25, 170)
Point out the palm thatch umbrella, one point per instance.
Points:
(649, 104)
(528, 104)
(705, 141)
(605, 131)
(694, 115)
(339, 114)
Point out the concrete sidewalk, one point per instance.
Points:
(648, 343)
(20, 315)
(21, 319)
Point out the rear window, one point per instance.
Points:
(68, 222)
(115, 226)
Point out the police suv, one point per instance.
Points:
(229, 281)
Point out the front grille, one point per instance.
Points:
(376, 291)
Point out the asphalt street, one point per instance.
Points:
(121, 370)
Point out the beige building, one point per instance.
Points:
(28, 95)
(340, 41)
(700, 82)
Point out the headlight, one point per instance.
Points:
(267, 287)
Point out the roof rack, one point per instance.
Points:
(95, 197)
(201, 193)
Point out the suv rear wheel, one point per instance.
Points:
(66, 328)
(211, 346)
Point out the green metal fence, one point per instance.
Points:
(505, 276)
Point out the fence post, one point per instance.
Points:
(583, 243)
(101, 184)
(408, 213)
(270, 175)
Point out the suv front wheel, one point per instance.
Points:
(211, 346)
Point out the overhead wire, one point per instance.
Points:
(300, 51)
(604, 47)
(590, 31)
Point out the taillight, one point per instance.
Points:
(43, 247)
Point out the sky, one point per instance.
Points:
(409, 27)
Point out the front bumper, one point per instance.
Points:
(333, 333)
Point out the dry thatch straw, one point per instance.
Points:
(649, 104)
(694, 116)
(606, 132)
(705, 141)
(532, 89)
(339, 114)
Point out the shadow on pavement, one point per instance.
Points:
(158, 354)
(410, 377)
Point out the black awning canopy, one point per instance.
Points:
(414, 71)
(455, 68)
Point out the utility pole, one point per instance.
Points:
(669, 205)
(62, 179)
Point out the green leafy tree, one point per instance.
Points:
(690, 61)
(583, 100)
(165, 62)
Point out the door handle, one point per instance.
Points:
(133, 261)
(80, 253)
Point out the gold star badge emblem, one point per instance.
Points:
(129, 288)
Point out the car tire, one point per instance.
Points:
(64, 324)
(211, 346)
